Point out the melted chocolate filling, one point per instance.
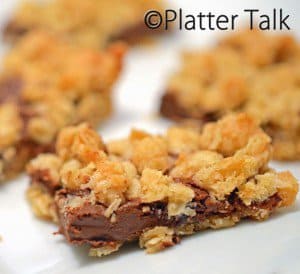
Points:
(171, 108)
(87, 223)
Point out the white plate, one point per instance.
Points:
(28, 245)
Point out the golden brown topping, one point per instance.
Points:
(109, 182)
(150, 152)
(264, 186)
(222, 178)
(258, 189)
(188, 164)
(144, 167)
(43, 59)
(288, 188)
(154, 186)
(182, 140)
(229, 134)
(211, 81)
(81, 142)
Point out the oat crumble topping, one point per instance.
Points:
(231, 154)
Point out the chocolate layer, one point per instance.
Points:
(86, 223)
(171, 108)
(13, 31)
(135, 32)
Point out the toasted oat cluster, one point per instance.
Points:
(93, 23)
(47, 84)
(158, 187)
(248, 72)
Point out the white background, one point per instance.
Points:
(28, 245)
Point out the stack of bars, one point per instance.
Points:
(241, 97)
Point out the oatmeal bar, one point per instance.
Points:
(45, 85)
(157, 188)
(93, 23)
(248, 72)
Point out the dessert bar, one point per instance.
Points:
(157, 188)
(45, 85)
(248, 72)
